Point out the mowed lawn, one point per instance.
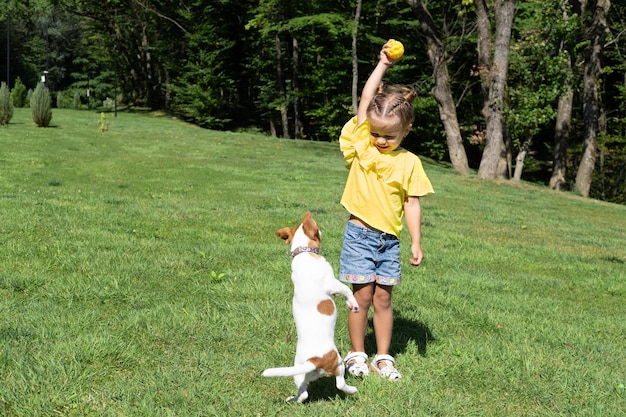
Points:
(140, 276)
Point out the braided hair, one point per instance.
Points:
(393, 100)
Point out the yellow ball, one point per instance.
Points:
(396, 50)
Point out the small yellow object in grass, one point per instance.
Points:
(396, 50)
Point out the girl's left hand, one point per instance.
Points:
(417, 255)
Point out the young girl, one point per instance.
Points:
(384, 183)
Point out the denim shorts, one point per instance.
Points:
(369, 256)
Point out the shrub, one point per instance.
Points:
(6, 105)
(76, 100)
(60, 100)
(108, 104)
(29, 95)
(18, 93)
(40, 106)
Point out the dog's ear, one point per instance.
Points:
(284, 234)
(310, 228)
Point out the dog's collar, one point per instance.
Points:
(300, 249)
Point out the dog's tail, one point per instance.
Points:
(304, 368)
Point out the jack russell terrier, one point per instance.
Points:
(314, 311)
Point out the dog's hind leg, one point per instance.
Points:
(340, 381)
(341, 384)
(302, 384)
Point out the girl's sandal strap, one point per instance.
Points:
(356, 364)
(388, 371)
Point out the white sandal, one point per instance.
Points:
(388, 371)
(356, 364)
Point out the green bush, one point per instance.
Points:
(60, 103)
(609, 179)
(29, 96)
(108, 104)
(18, 93)
(6, 105)
(76, 100)
(40, 106)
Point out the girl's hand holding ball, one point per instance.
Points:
(394, 49)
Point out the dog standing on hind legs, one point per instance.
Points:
(314, 311)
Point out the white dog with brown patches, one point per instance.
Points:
(314, 311)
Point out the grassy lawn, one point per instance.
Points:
(140, 276)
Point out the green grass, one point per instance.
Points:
(140, 276)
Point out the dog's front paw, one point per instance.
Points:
(353, 306)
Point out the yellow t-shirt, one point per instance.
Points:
(378, 184)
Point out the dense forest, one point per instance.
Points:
(531, 90)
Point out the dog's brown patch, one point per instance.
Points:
(329, 363)
(311, 230)
(326, 307)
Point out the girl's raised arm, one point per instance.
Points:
(373, 82)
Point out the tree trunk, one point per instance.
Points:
(519, 161)
(483, 27)
(593, 67)
(297, 115)
(558, 180)
(272, 129)
(494, 160)
(561, 138)
(355, 62)
(280, 80)
(441, 90)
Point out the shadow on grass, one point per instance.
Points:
(324, 389)
(134, 110)
(405, 331)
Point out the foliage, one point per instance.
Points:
(103, 125)
(215, 63)
(202, 98)
(427, 133)
(41, 106)
(610, 172)
(539, 68)
(76, 100)
(18, 93)
(327, 107)
(614, 74)
(205, 91)
(108, 104)
(6, 105)
(60, 103)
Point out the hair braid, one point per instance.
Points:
(394, 101)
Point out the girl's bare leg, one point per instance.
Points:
(357, 322)
(383, 317)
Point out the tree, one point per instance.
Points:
(27, 44)
(269, 18)
(205, 87)
(539, 72)
(562, 129)
(40, 106)
(597, 33)
(609, 176)
(18, 93)
(6, 105)
(355, 60)
(494, 163)
(441, 91)
(306, 39)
